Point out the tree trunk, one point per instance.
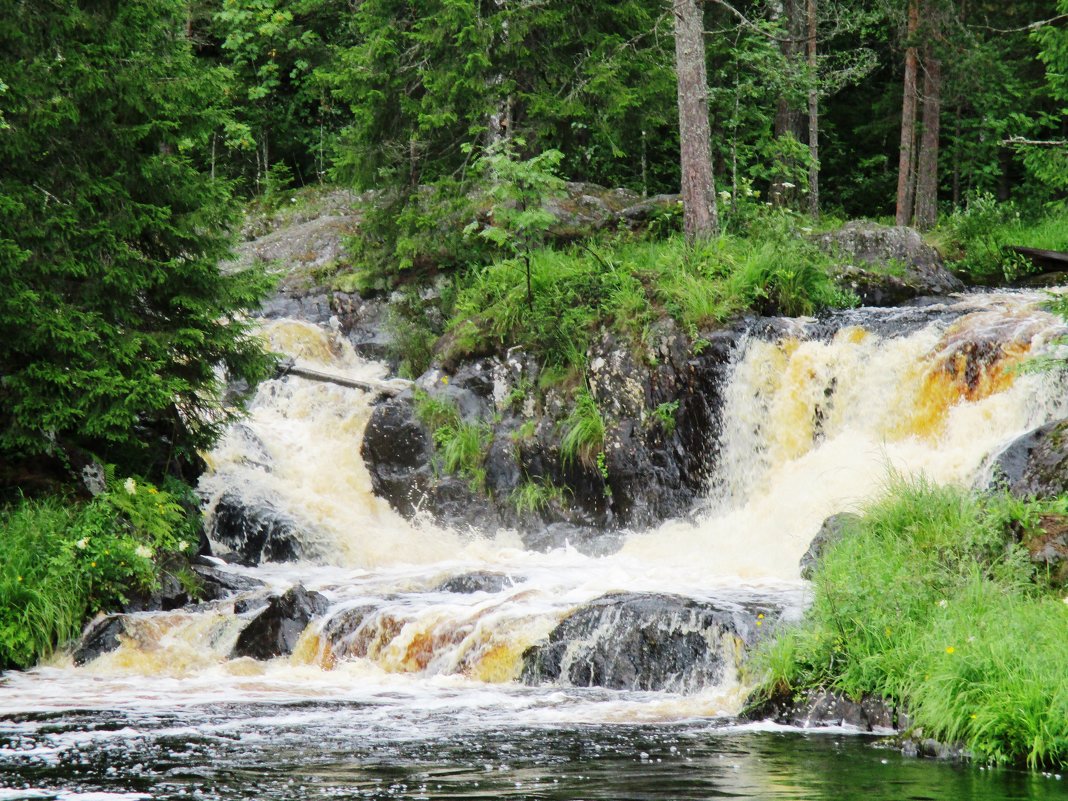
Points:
(927, 167)
(787, 115)
(699, 218)
(813, 117)
(908, 122)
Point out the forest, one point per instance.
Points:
(140, 140)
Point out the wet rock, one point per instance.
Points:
(275, 630)
(1035, 465)
(257, 531)
(217, 583)
(832, 530)
(100, 637)
(887, 265)
(169, 595)
(631, 641)
(823, 707)
(478, 581)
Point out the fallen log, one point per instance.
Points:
(393, 386)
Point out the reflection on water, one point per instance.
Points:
(337, 751)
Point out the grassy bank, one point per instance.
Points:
(62, 561)
(931, 601)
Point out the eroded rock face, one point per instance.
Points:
(631, 641)
(100, 637)
(887, 265)
(276, 630)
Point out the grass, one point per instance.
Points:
(975, 240)
(625, 286)
(929, 601)
(536, 494)
(583, 437)
(459, 445)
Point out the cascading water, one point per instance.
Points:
(442, 646)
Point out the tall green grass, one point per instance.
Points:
(930, 602)
(62, 560)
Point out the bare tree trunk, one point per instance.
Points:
(787, 115)
(927, 166)
(908, 122)
(699, 220)
(813, 118)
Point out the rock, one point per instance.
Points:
(1035, 465)
(887, 265)
(832, 530)
(644, 212)
(100, 637)
(216, 583)
(169, 595)
(479, 581)
(257, 531)
(823, 707)
(275, 630)
(631, 641)
(1047, 545)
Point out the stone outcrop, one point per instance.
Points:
(254, 531)
(661, 418)
(887, 265)
(277, 628)
(1035, 465)
(631, 641)
(832, 530)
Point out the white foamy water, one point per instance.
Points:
(810, 428)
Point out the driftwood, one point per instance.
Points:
(393, 386)
(1047, 259)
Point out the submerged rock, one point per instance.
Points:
(276, 630)
(1035, 465)
(887, 265)
(823, 707)
(478, 581)
(630, 641)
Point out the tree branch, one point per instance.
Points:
(1034, 26)
(1014, 141)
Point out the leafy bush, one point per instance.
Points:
(62, 561)
(928, 601)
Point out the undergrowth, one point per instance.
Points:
(62, 561)
(459, 445)
(930, 602)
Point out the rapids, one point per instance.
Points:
(409, 688)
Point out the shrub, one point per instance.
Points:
(61, 561)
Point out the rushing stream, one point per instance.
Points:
(413, 683)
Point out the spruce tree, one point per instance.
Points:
(113, 313)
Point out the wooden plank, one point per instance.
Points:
(392, 387)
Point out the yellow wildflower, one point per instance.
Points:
(950, 649)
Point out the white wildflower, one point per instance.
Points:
(788, 185)
(130, 486)
(943, 603)
(82, 544)
(143, 551)
(182, 545)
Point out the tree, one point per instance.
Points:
(700, 220)
(906, 152)
(114, 315)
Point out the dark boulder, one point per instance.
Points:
(630, 641)
(275, 630)
(255, 530)
(100, 637)
(1035, 465)
(833, 529)
(824, 707)
(217, 583)
(887, 265)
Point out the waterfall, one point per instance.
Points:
(817, 416)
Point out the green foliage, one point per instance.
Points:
(459, 445)
(114, 315)
(583, 437)
(535, 495)
(975, 240)
(928, 601)
(665, 414)
(62, 561)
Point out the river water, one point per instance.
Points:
(419, 695)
